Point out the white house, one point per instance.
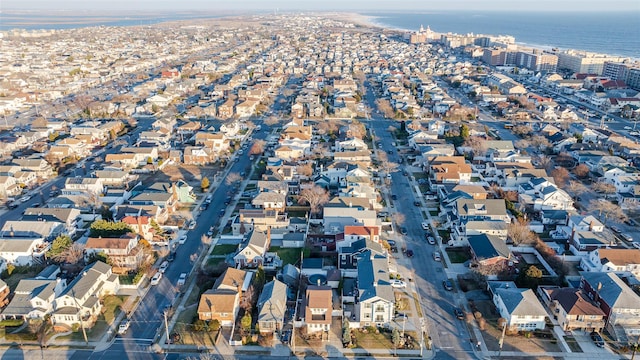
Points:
(520, 307)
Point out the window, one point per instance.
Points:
(367, 305)
(379, 308)
(224, 314)
(379, 318)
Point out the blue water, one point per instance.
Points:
(608, 33)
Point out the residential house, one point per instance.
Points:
(479, 210)
(33, 298)
(77, 186)
(489, 250)
(47, 230)
(40, 167)
(342, 211)
(573, 309)
(198, 155)
(376, 300)
(620, 304)
(623, 262)
(449, 169)
(318, 309)
(67, 216)
(259, 219)
(252, 254)
(270, 201)
(141, 225)
(272, 307)
(519, 307)
(123, 252)
(222, 302)
(80, 302)
(542, 194)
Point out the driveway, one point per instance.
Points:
(587, 345)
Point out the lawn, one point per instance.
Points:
(289, 255)
(13, 280)
(371, 340)
(224, 249)
(458, 255)
(434, 212)
(419, 175)
(112, 307)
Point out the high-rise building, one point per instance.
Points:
(633, 79)
(616, 71)
(584, 62)
(537, 60)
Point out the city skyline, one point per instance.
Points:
(332, 5)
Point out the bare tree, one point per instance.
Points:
(581, 170)
(271, 120)
(477, 144)
(545, 162)
(607, 211)
(71, 255)
(233, 178)
(304, 170)
(399, 218)
(357, 129)
(522, 130)
(521, 144)
(205, 239)
(316, 197)
(258, 147)
(539, 142)
(560, 176)
(384, 106)
(520, 233)
(603, 187)
(576, 187)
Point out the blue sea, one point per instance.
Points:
(611, 33)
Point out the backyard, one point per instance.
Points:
(224, 249)
(289, 255)
(458, 255)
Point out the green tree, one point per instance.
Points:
(59, 245)
(204, 184)
(199, 325)
(107, 229)
(214, 325)
(106, 213)
(464, 131)
(395, 337)
(530, 278)
(346, 333)
(245, 322)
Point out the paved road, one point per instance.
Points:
(449, 335)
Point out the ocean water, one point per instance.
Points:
(612, 33)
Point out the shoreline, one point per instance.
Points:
(372, 21)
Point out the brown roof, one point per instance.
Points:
(620, 257)
(574, 301)
(107, 243)
(217, 301)
(319, 297)
(231, 279)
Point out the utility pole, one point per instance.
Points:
(501, 342)
(75, 300)
(166, 330)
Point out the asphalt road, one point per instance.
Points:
(448, 334)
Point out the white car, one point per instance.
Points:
(636, 245)
(182, 239)
(425, 225)
(155, 280)
(398, 284)
(627, 127)
(163, 266)
(182, 280)
(122, 329)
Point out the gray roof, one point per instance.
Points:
(30, 229)
(521, 301)
(373, 278)
(62, 215)
(484, 207)
(17, 245)
(273, 301)
(488, 246)
(268, 197)
(613, 291)
(26, 290)
(83, 282)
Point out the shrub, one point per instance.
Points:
(10, 269)
(477, 315)
(11, 322)
(75, 327)
(482, 323)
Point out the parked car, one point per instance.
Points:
(403, 230)
(192, 224)
(401, 316)
(627, 237)
(425, 225)
(163, 266)
(409, 253)
(124, 326)
(616, 229)
(25, 198)
(447, 285)
(436, 255)
(182, 239)
(204, 206)
(210, 231)
(431, 240)
(172, 256)
(182, 279)
(597, 339)
(458, 313)
(155, 280)
(635, 245)
(398, 284)
(416, 203)
(394, 197)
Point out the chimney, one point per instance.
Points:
(599, 286)
(350, 203)
(318, 282)
(268, 235)
(591, 225)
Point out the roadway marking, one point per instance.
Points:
(134, 339)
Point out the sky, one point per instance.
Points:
(324, 5)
